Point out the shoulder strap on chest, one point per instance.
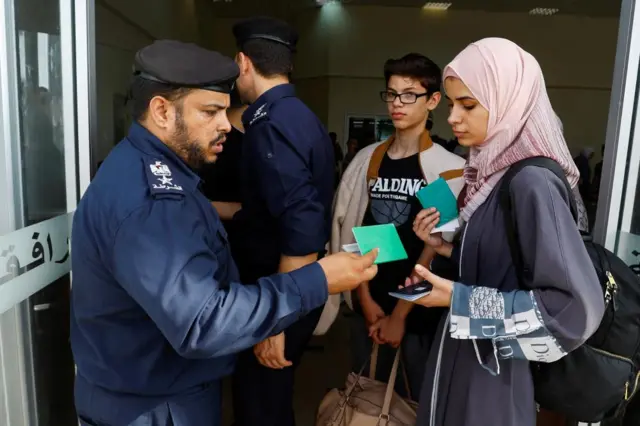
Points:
(543, 162)
(507, 207)
(376, 159)
(436, 162)
(381, 150)
(452, 174)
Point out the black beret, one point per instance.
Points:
(186, 65)
(265, 28)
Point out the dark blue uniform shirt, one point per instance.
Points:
(157, 307)
(287, 183)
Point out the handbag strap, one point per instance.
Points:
(383, 419)
(355, 382)
(373, 362)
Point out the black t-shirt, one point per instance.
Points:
(221, 180)
(393, 200)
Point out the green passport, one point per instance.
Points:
(438, 194)
(383, 237)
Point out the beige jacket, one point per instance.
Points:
(352, 199)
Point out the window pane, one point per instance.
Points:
(628, 245)
(41, 126)
(628, 238)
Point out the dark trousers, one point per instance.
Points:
(263, 396)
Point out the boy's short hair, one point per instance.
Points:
(417, 66)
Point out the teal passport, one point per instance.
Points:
(383, 237)
(438, 194)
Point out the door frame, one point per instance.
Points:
(79, 114)
(621, 129)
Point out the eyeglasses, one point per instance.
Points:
(405, 98)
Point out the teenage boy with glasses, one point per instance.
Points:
(379, 187)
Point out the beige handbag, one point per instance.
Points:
(368, 402)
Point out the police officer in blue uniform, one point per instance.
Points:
(284, 223)
(157, 308)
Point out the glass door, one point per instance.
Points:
(43, 78)
(618, 215)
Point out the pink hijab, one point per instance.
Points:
(508, 82)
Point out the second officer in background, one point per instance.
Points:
(287, 191)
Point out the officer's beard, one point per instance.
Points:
(190, 150)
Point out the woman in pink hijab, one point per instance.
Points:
(478, 372)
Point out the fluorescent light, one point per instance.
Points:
(436, 6)
(323, 2)
(543, 11)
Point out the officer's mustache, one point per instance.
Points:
(221, 137)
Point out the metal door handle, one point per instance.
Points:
(42, 307)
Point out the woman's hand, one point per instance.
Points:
(441, 293)
(424, 223)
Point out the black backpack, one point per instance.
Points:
(595, 381)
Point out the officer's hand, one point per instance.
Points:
(270, 352)
(345, 271)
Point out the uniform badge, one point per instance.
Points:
(164, 181)
(261, 112)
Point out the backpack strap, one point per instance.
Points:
(376, 159)
(381, 150)
(506, 205)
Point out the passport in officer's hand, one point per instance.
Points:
(383, 237)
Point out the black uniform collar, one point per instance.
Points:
(268, 97)
(148, 143)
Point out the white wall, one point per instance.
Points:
(123, 27)
(342, 50)
(576, 54)
(116, 44)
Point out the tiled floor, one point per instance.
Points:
(323, 367)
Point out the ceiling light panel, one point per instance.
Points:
(436, 6)
(545, 11)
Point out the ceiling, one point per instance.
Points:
(596, 8)
(592, 8)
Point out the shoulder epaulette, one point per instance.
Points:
(161, 180)
(260, 114)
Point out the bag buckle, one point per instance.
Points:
(384, 417)
(627, 394)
